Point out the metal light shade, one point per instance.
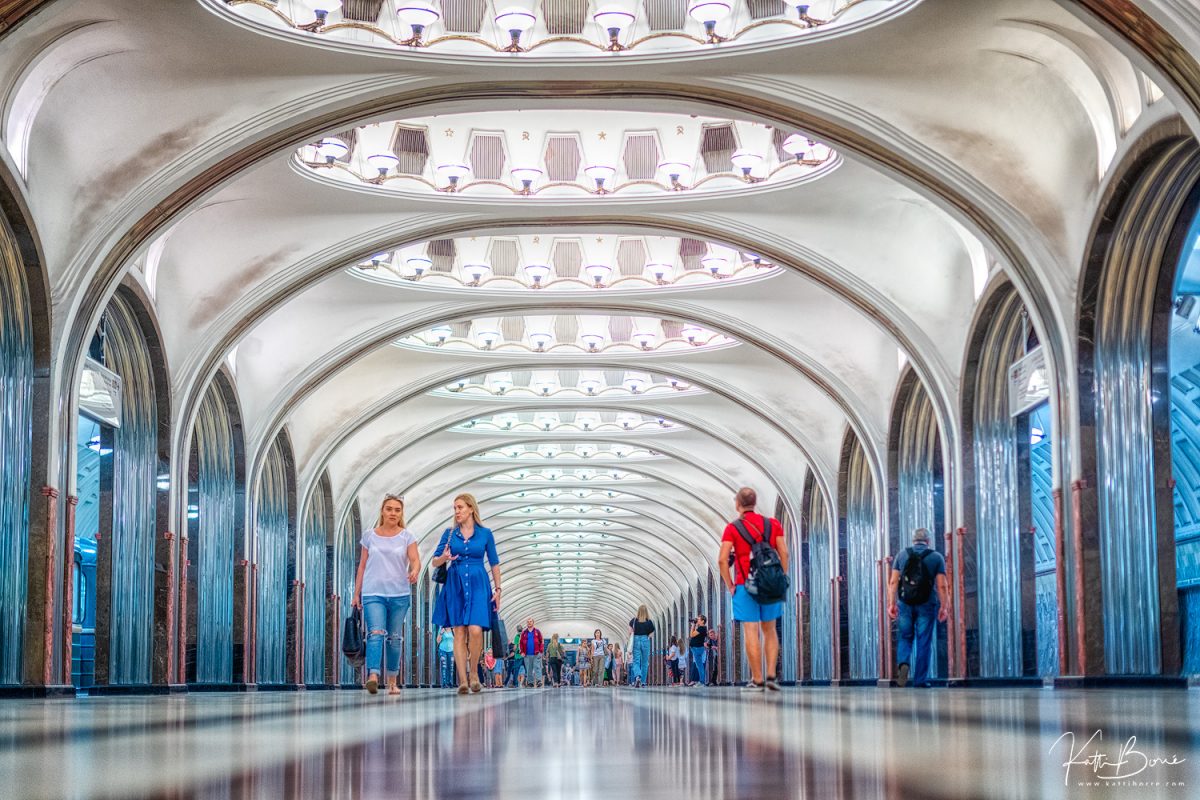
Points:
(417, 13)
(515, 19)
(611, 17)
(477, 271)
(453, 172)
(709, 10)
(591, 385)
(679, 169)
(523, 174)
(376, 260)
(635, 383)
(600, 172)
(592, 341)
(692, 332)
(745, 159)
(659, 271)
(382, 162)
(598, 272)
(441, 332)
(643, 339)
(628, 420)
(796, 144)
(418, 264)
(332, 148)
(541, 339)
(716, 265)
(537, 272)
(487, 338)
(500, 385)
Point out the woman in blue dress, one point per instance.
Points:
(466, 601)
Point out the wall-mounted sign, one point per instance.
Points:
(1028, 382)
(100, 393)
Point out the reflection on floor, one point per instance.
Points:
(604, 743)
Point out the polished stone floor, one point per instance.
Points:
(616, 744)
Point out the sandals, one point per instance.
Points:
(462, 689)
(372, 684)
(476, 687)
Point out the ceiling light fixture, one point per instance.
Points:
(418, 265)
(487, 338)
(537, 273)
(526, 175)
(375, 261)
(717, 266)
(677, 171)
(417, 14)
(746, 161)
(598, 272)
(442, 332)
(516, 21)
(660, 272)
(332, 148)
(541, 340)
(644, 340)
(320, 9)
(710, 12)
(802, 12)
(613, 19)
(453, 173)
(600, 173)
(477, 272)
(592, 341)
(383, 163)
(692, 333)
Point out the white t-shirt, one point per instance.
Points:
(386, 574)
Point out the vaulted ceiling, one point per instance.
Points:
(284, 196)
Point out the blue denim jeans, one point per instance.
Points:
(384, 617)
(639, 670)
(697, 668)
(915, 628)
(446, 668)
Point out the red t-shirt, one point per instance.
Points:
(741, 549)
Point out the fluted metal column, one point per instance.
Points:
(317, 522)
(862, 552)
(271, 533)
(216, 505)
(820, 575)
(16, 454)
(131, 610)
(997, 513)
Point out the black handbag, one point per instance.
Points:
(354, 646)
(441, 571)
(499, 637)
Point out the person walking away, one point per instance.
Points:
(514, 671)
(468, 597)
(445, 644)
(641, 628)
(599, 657)
(758, 584)
(673, 653)
(497, 679)
(585, 663)
(554, 654)
(388, 566)
(699, 653)
(916, 572)
(618, 666)
(531, 649)
(487, 668)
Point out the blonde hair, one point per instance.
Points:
(643, 613)
(469, 500)
(386, 498)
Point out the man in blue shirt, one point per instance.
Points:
(923, 597)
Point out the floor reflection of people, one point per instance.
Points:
(471, 749)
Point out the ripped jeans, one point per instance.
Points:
(384, 616)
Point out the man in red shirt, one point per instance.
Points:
(758, 620)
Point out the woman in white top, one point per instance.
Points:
(599, 657)
(388, 567)
(673, 654)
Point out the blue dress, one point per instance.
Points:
(466, 598)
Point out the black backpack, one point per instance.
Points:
(916, 582)
(766, 581)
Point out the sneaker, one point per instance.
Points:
(772, 685)
(751, 686)
(902, 676)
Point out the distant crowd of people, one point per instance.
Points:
(753, 563)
